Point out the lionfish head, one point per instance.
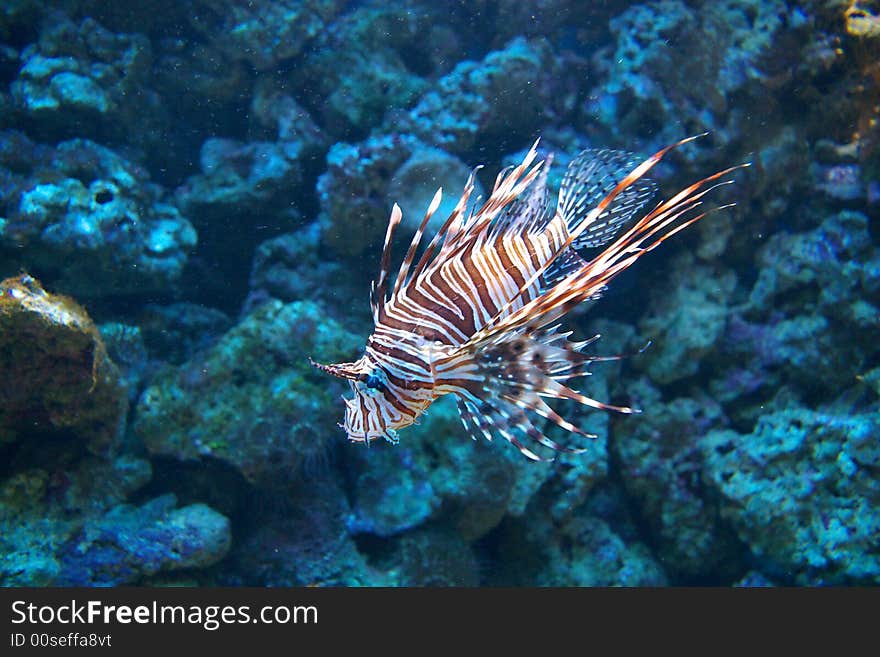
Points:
(369, 415)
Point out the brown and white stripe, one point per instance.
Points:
(470, 317)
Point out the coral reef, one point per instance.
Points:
(800, 492)
(430, 557)
(214, 180)
(65, 522)
(360, 74)
(660, 464)
(42, 508)
(88, 219)
(290, 267)
(306, 545)
(84, 80)
(250, 400)
(363, 180)
(63, 519)
(353, 192)
(262, 34)
(129, 543)
(497, 101)
(595, 546)
(243, 176)
(660, 74)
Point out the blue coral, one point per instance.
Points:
(83, 199)
(800, 492)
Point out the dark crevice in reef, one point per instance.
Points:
(209, 481)
(735, 562)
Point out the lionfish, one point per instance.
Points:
(476, 315)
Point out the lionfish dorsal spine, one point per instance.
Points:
(378, 292)
(449, 228)
(403, 272)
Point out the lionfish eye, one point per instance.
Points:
(374, 382)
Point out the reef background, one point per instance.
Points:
(211, 181)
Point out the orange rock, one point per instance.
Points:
(55, 374)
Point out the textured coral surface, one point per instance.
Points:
(212, 181)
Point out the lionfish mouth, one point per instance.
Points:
(341, 370)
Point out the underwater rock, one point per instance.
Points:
(52, 491)
(431, 556)
(753, 579)
(125, 346)
(552, 19)
(812, 307)
(57, 375)
(83, 80)
(825, 264)
(392, 492)
(88, 220)
(240, 177)
(304, 542)
(356, 74)
(842, 182)
(659, 460)
(863, 19)
(800, 351)
(783, 163)
(262, 33)
(129, 543)
(353, 192)
(585, 550)
(660, 75)
(292, 266)
(598, 557)
(416, 181)
(197, 75)
(502, 100)
(800, 490)
(434, 468)
(252, 399)
(364, 180)
(686, 320)
(238, 182)
(275, 115)
(176, 332)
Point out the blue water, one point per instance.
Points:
(193, 201)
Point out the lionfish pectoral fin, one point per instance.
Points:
(516, 372)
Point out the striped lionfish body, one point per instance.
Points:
(475, 315)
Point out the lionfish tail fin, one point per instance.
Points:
(590, 179)
(501, 385)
